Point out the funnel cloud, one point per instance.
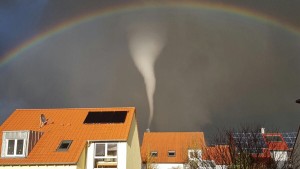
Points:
(145, 44)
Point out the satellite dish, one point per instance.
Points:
(43, 120)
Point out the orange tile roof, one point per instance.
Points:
(162, 142)
(63, 124)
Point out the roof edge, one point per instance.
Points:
(131, 122)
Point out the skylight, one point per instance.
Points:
(153, 153)
(171, 153)
(105, 117)
(64, 145)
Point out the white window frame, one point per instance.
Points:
(15, 148)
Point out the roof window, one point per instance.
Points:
(105, 117)
(171, 153)
(64, 145)
(153, 153)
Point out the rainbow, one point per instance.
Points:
(123, 8)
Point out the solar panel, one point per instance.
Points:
(105, 117)
(290, 138)
(255, 151)
(249, 142)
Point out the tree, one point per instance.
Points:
(149, 160)
(196, 149)
(219, 155)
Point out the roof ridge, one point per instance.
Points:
(74, 108)
(175, 132)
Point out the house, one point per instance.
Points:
(169, 150)
(265, 147)
(277, 147)
(74, 138)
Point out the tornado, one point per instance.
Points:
(145, 44)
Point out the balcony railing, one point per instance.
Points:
(106, 163)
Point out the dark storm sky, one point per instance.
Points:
(216, 68)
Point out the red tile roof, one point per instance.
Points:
(219, 153)
(63, 124)
(273, 145)
(162, 142)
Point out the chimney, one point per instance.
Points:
(262, 130)
(148, 130)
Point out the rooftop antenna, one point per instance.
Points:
(43, 120)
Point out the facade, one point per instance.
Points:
(169, 150)
(83, 138)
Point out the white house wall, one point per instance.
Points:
(122, 155)
(280, 157)
(170, 166)
(90, 156)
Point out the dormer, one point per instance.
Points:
(18, 144)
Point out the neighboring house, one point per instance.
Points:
(75, 138)
(295, 159)
(266, 147)
(277, 147)
(171, 150)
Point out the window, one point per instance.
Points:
(15, 147)
(171, 153)
(106, 155)
(153, 153)
(64, 145)
(273, 139)
(18, 143)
